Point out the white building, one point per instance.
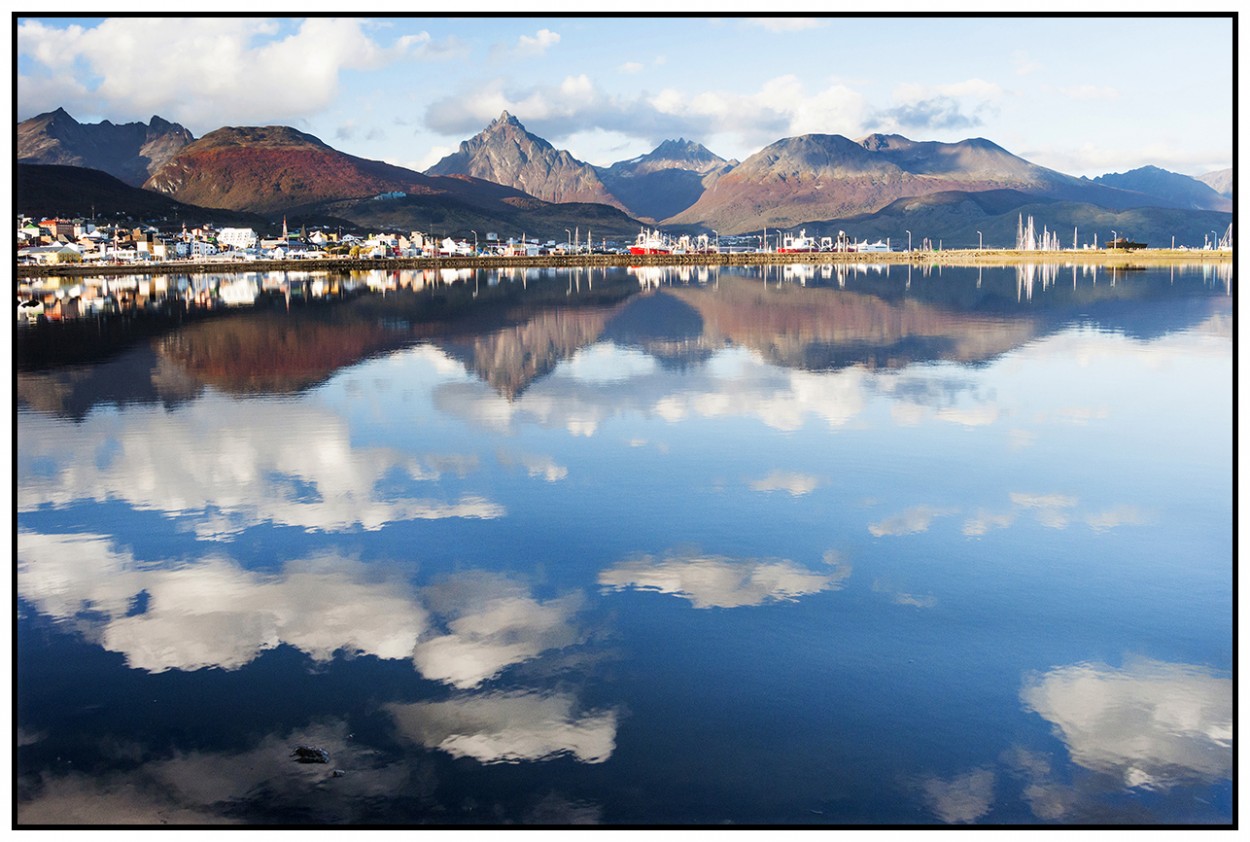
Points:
(237, 238)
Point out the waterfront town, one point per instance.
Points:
(61, 241)
(55, 241)
(81, 247)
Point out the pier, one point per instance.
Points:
(946, 257)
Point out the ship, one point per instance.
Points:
(650, 242)
(801, 244)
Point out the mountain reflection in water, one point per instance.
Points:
(793, 546)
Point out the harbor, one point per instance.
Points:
(948, 257)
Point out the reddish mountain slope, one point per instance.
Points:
(819, 176)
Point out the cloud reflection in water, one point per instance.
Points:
(491, 623)
(509, 727)
(228, 464)
(710, 581)
(213, 613)
(1152, 724)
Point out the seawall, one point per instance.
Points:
(949, 257)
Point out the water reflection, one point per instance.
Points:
(962, 799)
(258, 784)
(509, 727)
(489, 623)
(1151, 724)
(710, 581)
(225, 466)
(424, 529)
(211, 612)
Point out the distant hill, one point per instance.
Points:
(1172, 189)
(130, 151)
(952, 219)
(505, 153)
(53, 190)
(268, 169)
(820, 176)
(665, 181)
(1221, 181)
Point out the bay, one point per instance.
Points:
(772, 546)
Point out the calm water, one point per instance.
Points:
(641, 547)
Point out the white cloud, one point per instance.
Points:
(1042, 501)
(910, 92)
(194, 74)
(509, 727)
(536, 44)
(1099, 158)
(605, 362)
(961, 799)
(491, 623)
(462, 631)
(910, 521)
(1116, 516)
(975, 416)
(631, 67)
(543, 467)
(238, 466)
(1051, 510)
(795, 483)
(710, 581)
(782, 106)
(984, 521)
(926, 107)
(734, 383)
(1151, 724)
(212, 612)
(914, 600)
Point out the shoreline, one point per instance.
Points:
(952, 257)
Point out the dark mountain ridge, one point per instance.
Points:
(667, 180)
(55, 190)
(1171, 189)
(129, 151)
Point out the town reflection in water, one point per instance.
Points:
(682, 545)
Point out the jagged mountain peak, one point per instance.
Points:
(506, 153)
(671, 154)
(129, 151)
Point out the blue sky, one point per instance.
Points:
(1085, 96)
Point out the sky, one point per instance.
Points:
(1082, 95)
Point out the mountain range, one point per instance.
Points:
(506, 178)
(129, 152)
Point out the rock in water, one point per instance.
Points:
(310, 754)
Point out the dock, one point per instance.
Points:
(947, 257)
